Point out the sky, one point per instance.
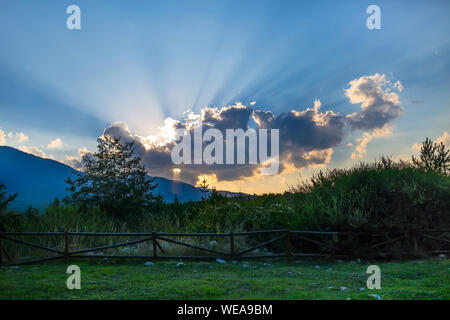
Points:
(338, 92)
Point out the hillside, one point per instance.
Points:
(38, 181)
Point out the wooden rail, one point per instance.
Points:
(291, 238)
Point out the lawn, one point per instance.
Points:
(268, 279)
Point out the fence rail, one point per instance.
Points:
(291, 237)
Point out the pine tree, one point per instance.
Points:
(433, 157)
(204, 187)
(114, 180)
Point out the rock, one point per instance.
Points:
(180, 264)
(148, 264)
(317, 267)
(220, 261)
(348, 299)
(343, 288)
(375, 296)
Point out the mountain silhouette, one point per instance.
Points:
(39, 181)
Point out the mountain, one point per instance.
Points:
(38, 181)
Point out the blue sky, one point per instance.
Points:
(140, 62)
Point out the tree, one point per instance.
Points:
(204, 187)
(5, 200)
(433, 157)
(113, 180)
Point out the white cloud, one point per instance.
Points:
(17, 137)
(55, 144)
(361, 148)
(35, 151)
(445, 139)
(2, 137)
(22, 137)
(76, 162)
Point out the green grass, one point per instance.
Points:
(275, 279)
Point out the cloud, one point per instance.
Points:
(361, 148)
(2, 137)
(22, 137)
(55, 144)
(445, 139)
(35, 151)
(302, 132)
(16, 137)
(76, 162)
(379, 101)
(308, 136)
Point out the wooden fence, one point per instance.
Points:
(291, 240)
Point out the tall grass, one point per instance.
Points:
(370, 197)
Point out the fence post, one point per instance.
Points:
(155, 247)
(288, 244)
(66, 247)
(232, 245)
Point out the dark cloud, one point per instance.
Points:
(307, 137)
